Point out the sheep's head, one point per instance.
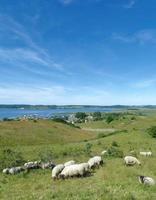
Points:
(61, 176)
(141, 179)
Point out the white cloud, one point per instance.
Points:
(66, 2)
(144, 84)
(130, 4)
(53, 95)
(33, 52)
(141, 37)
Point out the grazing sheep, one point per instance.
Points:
(71, 162)
(148, 153)
(86, 167)
(95, 161)
(57, 170)
(15, 170)
(146, 180)
(48, 165)
(103, 152)
(73, 170)
(32, 165)
(6, 171)
(130, 160)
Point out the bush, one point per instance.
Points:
(97, 115)
(60, 120)
(115, 144)
(88, 148)
(109, 119)
(5, 119)
(10, 158)
(152, 131)
(133, 118)
(114, 152)
(101, 135)
(80, 115)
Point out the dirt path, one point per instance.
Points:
(100, 129)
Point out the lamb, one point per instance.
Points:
(57, 170)
(95, 161)
(148, 153)
(73, 170)
(103, 152)
(71, 162)
(130, 160)
(146, 180)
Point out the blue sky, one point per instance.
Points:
(97, 52)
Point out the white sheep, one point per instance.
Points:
(15, 170)
(73, 170)
(57, 170)
(103, 152)
(32, 165)
(130, 160)
(146, 180)
(86, 166)
(148, 153)
(48, 165)
(95, 161)
(6, 171)
(71, 162)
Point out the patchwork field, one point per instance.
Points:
(61, 142)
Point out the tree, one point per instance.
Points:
(80, 115)
(97, 115)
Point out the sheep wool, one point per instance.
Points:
(71, 162)
(57, 170)
(130, 160)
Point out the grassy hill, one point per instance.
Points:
(112, 181)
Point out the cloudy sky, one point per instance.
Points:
(98, 52)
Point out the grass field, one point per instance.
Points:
(113, 181)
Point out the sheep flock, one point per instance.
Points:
(72, 169)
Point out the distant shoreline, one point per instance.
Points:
(27, 106)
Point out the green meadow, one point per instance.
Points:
(43, 139)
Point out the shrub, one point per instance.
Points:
(88, 148)
(115, 144)
(97, 115)
(99, 143)
(109, 119)
(7, 119)
(114, 152)
(60, 120)
(133, 118)
(152, 131)
(10, 158)
(101, 135)
(80, 115)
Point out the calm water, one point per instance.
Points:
(13, 112)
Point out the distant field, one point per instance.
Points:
(113, 181)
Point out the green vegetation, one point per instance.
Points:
(81, 115)
(152, 131)
(10, 158)
(97, 115)
(21, 141)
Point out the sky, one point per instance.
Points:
(79, 52)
